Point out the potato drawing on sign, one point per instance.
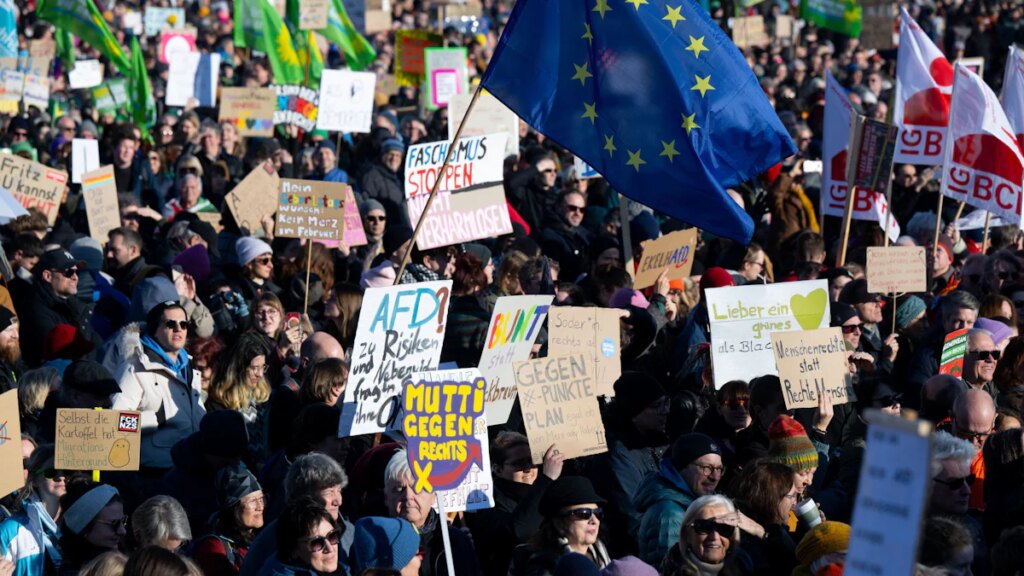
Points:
(120, 455)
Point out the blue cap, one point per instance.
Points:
(383, 544)
(329, 145)
(392, 144)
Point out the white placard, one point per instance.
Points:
(14, 83)
(489, 116)
(181, 78)
(86, 74)
(37, 91)
(346, 101)
(477, 160)
(85, 157)
(159, 19)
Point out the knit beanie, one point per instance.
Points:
(635, 391)
(248, 249)
(383, 544)
(824, 539)
(629, 566)
(907, 310)
(788, 444)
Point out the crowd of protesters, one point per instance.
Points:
(242, 470)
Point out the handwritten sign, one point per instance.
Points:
(595, 333)
(296, 105)
(810, 363)
(85, 157)
(953, 350)
(34, 185)
(672, 252)
(744, 317)
(410, 60)
(43, 48)
(558, 396)
(897, 269)
(313, 15)
(101, 209)
(97, 440)
(400, 332)
(346, 101)
(879, 19)
(11, 467)
(37, 91)
(464, 216)
(254, 198)
(894, 483)
(85, 74)
(515, 324)
(749, 31)
(447, 75)
(489, 116)
(157, 20)
(310, 209)
(12, 84)
(476, 160)
(250, 110)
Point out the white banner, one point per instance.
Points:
(477, 160)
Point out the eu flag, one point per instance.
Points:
(650, 93)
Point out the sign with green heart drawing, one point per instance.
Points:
(743, 319)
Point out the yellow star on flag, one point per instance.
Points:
(697, 46)
(688, 123)
(602, 7)
(582, 73)
(609, 145)
(588, 36)
(636, 3)
(673, 15)
(635, 160)
(669, 149)
(591, 112)
(703, 84)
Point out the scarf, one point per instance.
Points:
(179, 367)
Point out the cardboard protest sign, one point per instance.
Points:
(976, 65)
(489, 116)
(897, 269)
(410, 64)
(254, 197)
(672, 252)
(250, 110)
(874, 144)
(310, 209)
(594, 332)
(175, 43)
(101, 208)
(43, 48)
(879, 24)
(11, 462)
(464, 216)
(296, 105)
(895, 480)
(744, 317)
(97, 439)
(156, 20)
(34, 185)
(346, 101)
(85, 74)
(515, 324)
(810, 363)
(36, 92)
(749, 31)
(954, 347)
(784, 28)
(558, 396)
(477, 160)
(85, 157)
(313, 15)
(400, 332)
(447, 74)
(378, 21)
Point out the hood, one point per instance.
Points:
(667, 484)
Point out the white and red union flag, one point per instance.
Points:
(984, 166)
(924, 81)
(1013, 92)
(867, 204)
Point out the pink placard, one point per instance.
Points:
(354, 234)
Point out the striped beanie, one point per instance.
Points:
(788, 444)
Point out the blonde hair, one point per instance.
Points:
(106, 564)
(34, 386)
(229, 386)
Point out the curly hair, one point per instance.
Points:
(469, 277)
(229, 386)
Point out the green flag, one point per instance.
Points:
(65, 48)
(81, 18)
(248, 28)
(277, 44)
(309, 57)
(358, 51)
(141, 92)
(843, 16)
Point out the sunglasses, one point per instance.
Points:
(70, 272)
(319, 543)
(706, 527)
(176, 325)
(572, 208)
(265, 260)
(984, 355)
(548, 171)
(51, 473)
(957, 483)
(585, 514)
(114, 524)
(736, 403)
(376, 219)
(889, 401)
(851, 329)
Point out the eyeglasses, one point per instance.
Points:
(70, 272)
(264, 261)
(320, 542)
(585, 514)
(51, 474)
(175, 325)
(262, 369)
(984, 355)
(708, 469)
(736, 403)
(255, 503)
(761, 264)
(20, 134)
(851, 328)
(114, 524)
(707, 526)
(972, 436)
(376, 219)
(571, 208)
(957, 483)
(548, 171)
(67, 129)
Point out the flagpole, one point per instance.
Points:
(984, 241)
(847, 218)
(627, 241)
(938, 223)
(437, 184)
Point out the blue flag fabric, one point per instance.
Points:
(650, 93)
(8, 30)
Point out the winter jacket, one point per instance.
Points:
(170, 407)
(464, 558)
(263, 551)
(386, 187)
(42, 311)
(530, 561)
(464, 338)
(514, 518)
(662, 499)
(566, 245)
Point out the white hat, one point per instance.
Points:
(248, 249)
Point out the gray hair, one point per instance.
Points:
(398, 468)
(945, 446)
(159, 519)
(312, 473)
(703, 502)
(957, 300)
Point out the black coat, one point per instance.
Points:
(43, 311)
(514, 518)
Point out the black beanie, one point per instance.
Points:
(6, 318)
(635, 391)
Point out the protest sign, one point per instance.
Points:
(378, 21)
(354, 234)
(34, 185)
(879, 19)
(193, 75)
(749, 31)
(784, 28)
(296, 105)
(101, 208)
(175, 43)
(954, 347)
(250, 110)
(874, 144)
(254, 198)
(515, 324)
(97, 439)
(447, 74)
(156, 20)
(477, 160)
(310, 209)
(37, 91)
(897, 269)
(464, 216)
(400, 332)
(410, 60)
(11, 462)
(895, 480)
(812, 362)
(558, 396)
(103, 98)
(583, 170)
(12, 84)
(744, 317)
(672, 252)
(85, 157)
(118, 91)
(313, 15)
(85, 74)
(976, 65)
(346, 101)
(594, 332)
(42, 48)
(489, 116)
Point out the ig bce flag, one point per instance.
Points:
(650, 93)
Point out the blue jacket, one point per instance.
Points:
(662, 499)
